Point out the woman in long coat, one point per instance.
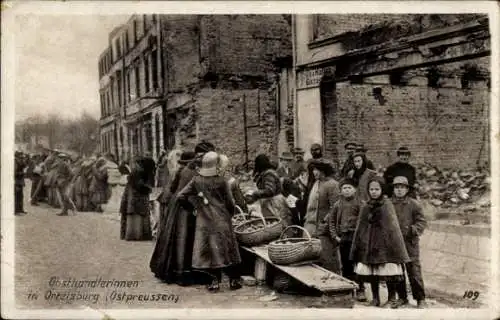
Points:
(324, 193)
(378, 248)
(215, 246)
(99, 189)
(135, 203)
(171, 259)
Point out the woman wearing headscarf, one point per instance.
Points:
(162, 174)
(215, 247)
(99, 189)
(272, 201)
(234, 183)
(362, 176)
(172, 255)
(135, 206)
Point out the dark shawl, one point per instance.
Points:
(378, 237)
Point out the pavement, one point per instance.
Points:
(51, 249)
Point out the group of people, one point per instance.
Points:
(369, 223)
(62, 181)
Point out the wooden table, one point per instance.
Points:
(311, 275)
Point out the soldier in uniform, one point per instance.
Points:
(19, 166)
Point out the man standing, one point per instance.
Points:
(350, 148)
(284, 170)
(19, 166)
(298, 163)
(402, 168)
(64, 175)
(317, 154)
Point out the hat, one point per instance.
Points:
(347, 181)
(298, 151)
(324, 166)
(400, 180)
(403, 150)
(186, 157)
(204, 147)
(350, 144)
(286, 156)
(209, 164)
(316, 146)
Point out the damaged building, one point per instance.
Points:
(174, 80)
(387, 80)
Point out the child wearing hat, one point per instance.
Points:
(412, 223)
(341, 224)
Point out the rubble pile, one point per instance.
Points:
(445, 188)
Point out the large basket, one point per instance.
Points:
(239, 218)
(271, 231)
(292, 250)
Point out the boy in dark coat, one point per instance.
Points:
(412, 223)
(342, 224)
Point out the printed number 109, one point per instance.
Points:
(469, 294)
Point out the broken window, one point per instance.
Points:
(433, 78)
(154, 68)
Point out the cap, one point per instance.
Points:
(400, 180)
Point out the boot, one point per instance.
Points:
(391, 297)
(361, 297)
(63, 213)
(214, 286)
(235, 284)
(375, 293)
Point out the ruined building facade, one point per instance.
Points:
(176, 79)
(388, 80)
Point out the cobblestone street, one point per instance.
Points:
(86, 246)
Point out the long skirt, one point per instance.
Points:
(137, 228)
(172, 256)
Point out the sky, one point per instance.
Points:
(57, 63)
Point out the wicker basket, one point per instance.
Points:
(239, 218)
(270, 232)
(293, 250)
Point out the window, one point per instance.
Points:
(157, 134)
(137, 80)
(145, 22)
(118, 48)
(136, 38)
(129, 97)
(119, 87)
(127, 41)
(102, 105)
(154, 69)
(146, 73)
(108, 101)
(148, 132)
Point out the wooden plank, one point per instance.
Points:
(311, 275)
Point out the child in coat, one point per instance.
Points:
(378, 248)
(342, 224)
(412, 223)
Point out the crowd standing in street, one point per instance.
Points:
(368, 224)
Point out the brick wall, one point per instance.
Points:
(245, 44)
(220, 121)
(395, 25)
(444, 126)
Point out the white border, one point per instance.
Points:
(10, 9)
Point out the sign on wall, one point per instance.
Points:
(310, 78)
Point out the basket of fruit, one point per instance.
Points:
(287, 251)
(239, 218)
(258, 231)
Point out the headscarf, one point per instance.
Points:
(375, 204)
(262, 163)
(358, 172)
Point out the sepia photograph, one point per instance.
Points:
(166, 159)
